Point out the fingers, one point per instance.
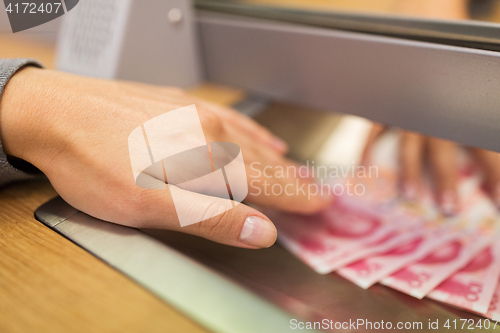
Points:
(281, 187)
(248, 126)
(277, 182)
(443, 161)
(245, 125)
(228, 222)
(248, 144)
(411, 148)
(222, 220)
(376, 131)
(490, 161)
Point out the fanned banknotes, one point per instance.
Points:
(472, 287)
(377, 237)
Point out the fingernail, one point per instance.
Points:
(279, 144)
(258, 232)
(410, 191)
(448, 203)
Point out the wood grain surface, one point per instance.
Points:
(49, 284)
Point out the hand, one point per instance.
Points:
(75, 130)
(442, 157)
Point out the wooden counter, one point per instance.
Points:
(49, 284)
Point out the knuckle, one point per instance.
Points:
(212, 122)
(222, 226)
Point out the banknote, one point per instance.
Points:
(369, 271)
(477, 224)
(494, 308)
(422, 277)
(472, 287)
(436, 231)
(391, 240)
(344, 233)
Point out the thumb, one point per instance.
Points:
(222, 220)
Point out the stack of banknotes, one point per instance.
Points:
(378, 237)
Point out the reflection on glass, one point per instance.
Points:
(452, 22)
(481, 10)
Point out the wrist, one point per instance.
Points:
(18, 111)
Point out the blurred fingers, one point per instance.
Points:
(411, 154)
(443, 161)
(490, 161)
(376, 131)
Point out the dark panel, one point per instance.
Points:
(25, 15)
(70, 4)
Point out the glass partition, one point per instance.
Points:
(469, 23)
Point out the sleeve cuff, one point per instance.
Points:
(9, 173)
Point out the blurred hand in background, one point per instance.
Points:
(441, 155)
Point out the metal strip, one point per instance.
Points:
(444, 91)
(54, 212)
(206, 296)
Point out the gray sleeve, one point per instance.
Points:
(8, 67)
